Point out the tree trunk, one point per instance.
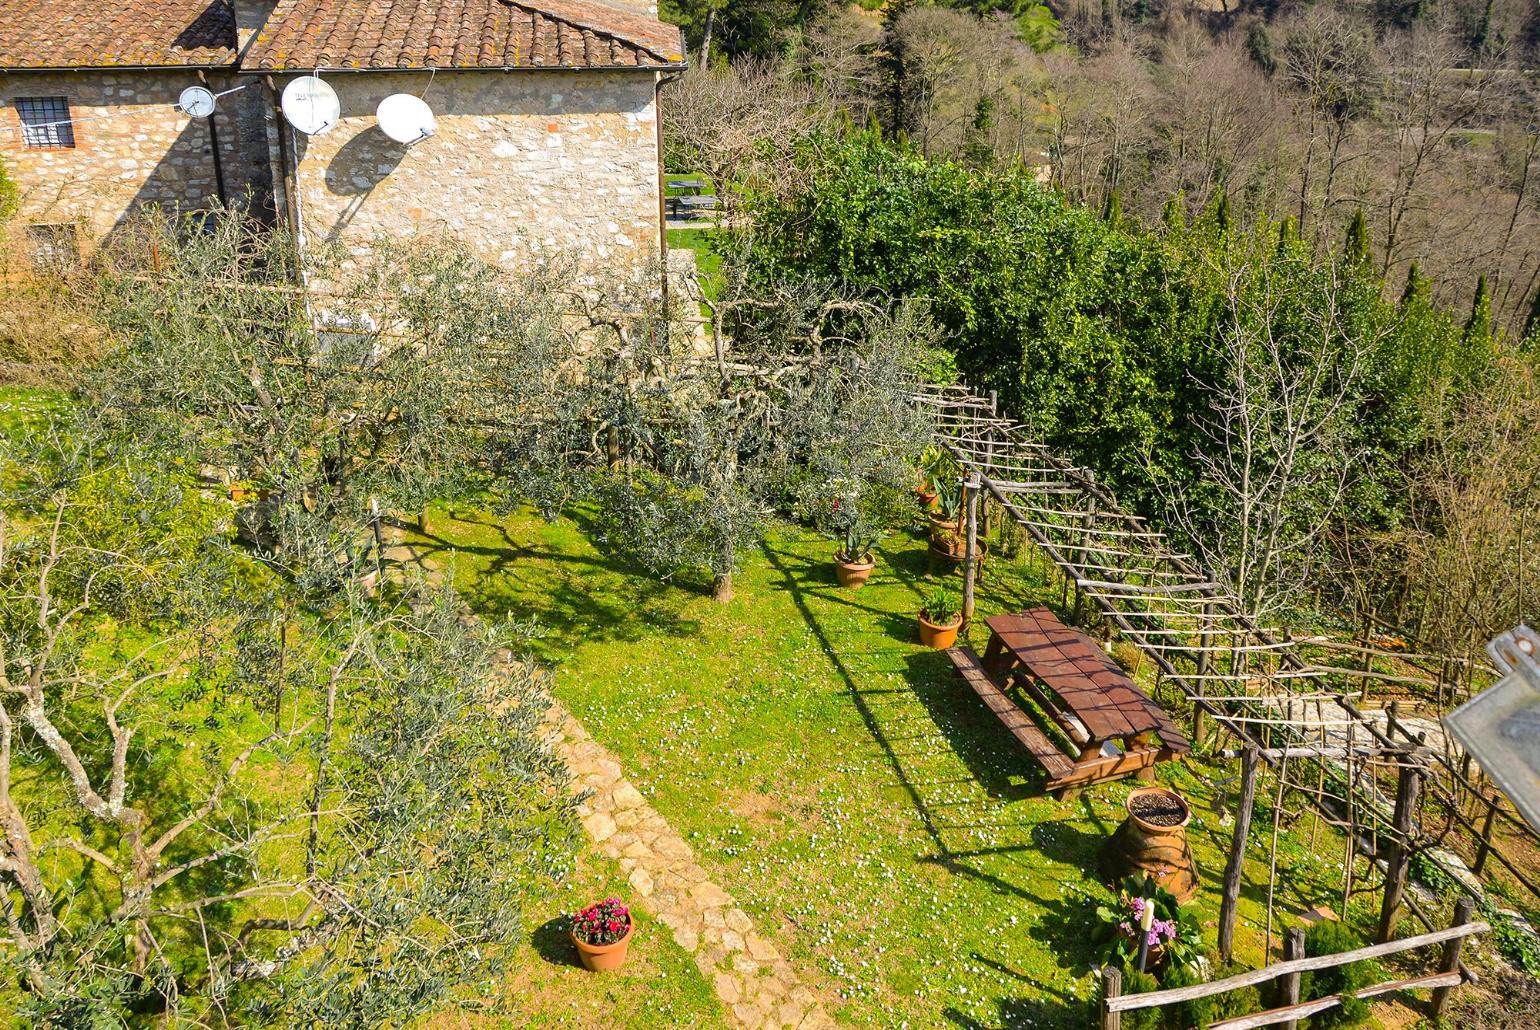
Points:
(722, 588)
(705, 43)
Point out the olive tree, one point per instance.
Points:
(163, 852)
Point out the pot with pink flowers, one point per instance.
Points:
(602, 933)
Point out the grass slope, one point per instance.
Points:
(871, 814)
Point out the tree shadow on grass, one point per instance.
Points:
(574, 598)
(979, 741)
(1070, 1014)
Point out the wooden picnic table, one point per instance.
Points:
(1116, 729)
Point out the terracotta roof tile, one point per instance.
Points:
(115, 33)
(318, 34)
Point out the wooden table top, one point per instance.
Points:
(1084, 677)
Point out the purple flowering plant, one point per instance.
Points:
(1178, 941)
(602, 923)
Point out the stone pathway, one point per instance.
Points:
(753, 979)
(749, 973)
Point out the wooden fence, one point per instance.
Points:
(1286, 974)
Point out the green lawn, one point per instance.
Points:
(708, 261)
(869, 813)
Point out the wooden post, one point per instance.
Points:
(1451, 957)
(1363, 691)
(1486, 835)
(989, 464)
(1400, 848)
(971, 556)
(1112, 987)
(1392, 719)
(1293, 948)
(1250, 760)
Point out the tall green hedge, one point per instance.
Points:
(1094, 330)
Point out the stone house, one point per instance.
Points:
(548, 138)
(89, 129)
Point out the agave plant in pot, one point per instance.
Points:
(940, 618)
(602, 933)
(854, 561)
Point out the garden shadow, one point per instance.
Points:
(572, 597)
(552, 942)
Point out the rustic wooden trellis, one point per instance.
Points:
(1253, 682)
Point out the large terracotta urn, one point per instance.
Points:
(1153, 841)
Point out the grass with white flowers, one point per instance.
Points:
(872, 816)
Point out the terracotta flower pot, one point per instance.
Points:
(945, 561)
(604, 957)
(853, 573)
(939, 635)
(928, 498)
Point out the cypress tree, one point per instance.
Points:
(1355, 250)
(1112, 210)
(1478, 327)
(1173, 215)
(1530, 343)
(1417, 286)
(1287, 236)
(1222, 210)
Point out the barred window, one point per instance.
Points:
(45, 122)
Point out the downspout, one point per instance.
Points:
(219, 164)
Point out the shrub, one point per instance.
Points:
(1333, 939)
(1135, 982)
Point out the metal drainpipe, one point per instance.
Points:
(219, 164)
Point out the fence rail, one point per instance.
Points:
(1287, 973)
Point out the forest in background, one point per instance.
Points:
(1421, 114)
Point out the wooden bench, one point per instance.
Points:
(971, 669)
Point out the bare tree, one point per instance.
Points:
(1278, 447)
(736, 123)
(1428, 96)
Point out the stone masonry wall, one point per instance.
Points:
(525, 165)
(132, 147)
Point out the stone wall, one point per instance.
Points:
(525, 166)
(132, 147)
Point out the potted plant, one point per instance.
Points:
(853, 562)
(934, 465)
(946, 519)
(602, 933)
(1169, 939)
(939, 619)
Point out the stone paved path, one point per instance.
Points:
(753, 979)
(749, 973)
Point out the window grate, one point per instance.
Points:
(45, 122)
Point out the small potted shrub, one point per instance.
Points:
(1171, 938)
(602, 933)
(853, 562)
(939, 619)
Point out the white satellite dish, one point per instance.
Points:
(196, 102)
(405, 118)
(310, 105)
